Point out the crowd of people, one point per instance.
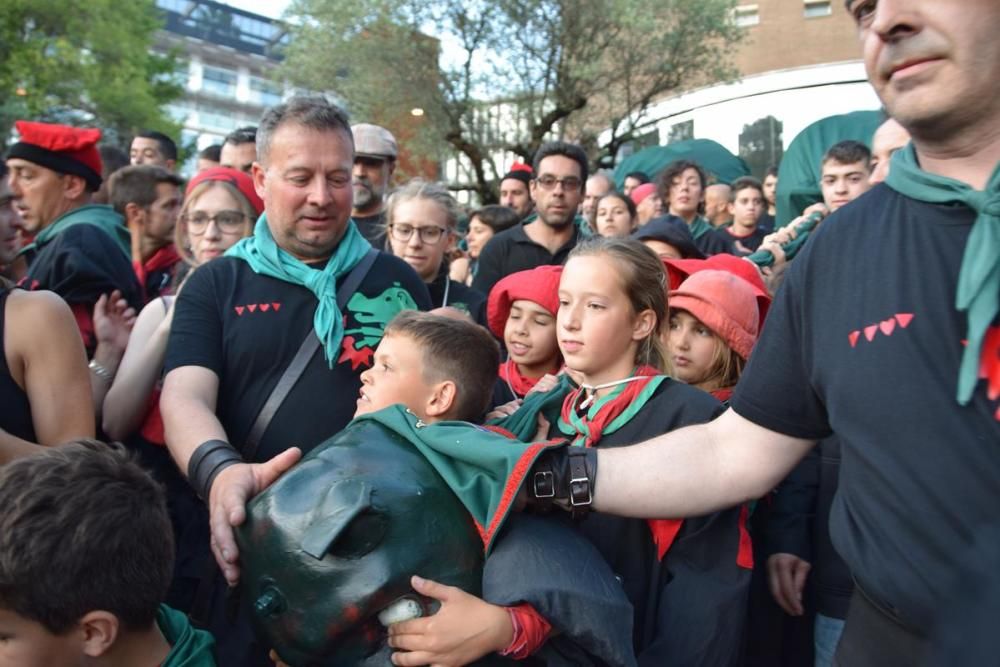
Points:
(819, 400)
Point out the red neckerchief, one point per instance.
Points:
(591, 426)
(722, 395)
(518, 383)
(163, 258)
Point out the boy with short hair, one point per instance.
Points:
(441, 368)
(86, 554)
(844, 173)
(746, 204)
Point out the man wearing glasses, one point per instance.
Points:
(560, 171)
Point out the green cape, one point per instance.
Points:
(97, 215)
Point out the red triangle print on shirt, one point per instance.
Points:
(264, 307)
(904, 319)
(239, 309)
(887, 326)
(276, 306)
(853, 337)
(251, 307)
(870, 332)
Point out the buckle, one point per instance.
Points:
(544, 484)
(577, 486)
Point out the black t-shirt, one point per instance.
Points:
(246, 328)
(511, 251)
(447, 292)
(864, 341)
(751, 241)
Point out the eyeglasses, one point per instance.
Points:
(430, 234)
(548, 182)
(228, 222)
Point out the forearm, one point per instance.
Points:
(695, 470)
(188, 422)
(108, 357)
(12, 447)
(127, 401)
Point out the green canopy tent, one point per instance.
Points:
(798, 175)
(712, 156)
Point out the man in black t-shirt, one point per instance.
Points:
(241, 319)
(885, 333)
(559, 173)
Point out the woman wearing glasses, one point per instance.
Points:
(421, 219)
(220, 208)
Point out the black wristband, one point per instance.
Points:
(567, 474)
(208, 460)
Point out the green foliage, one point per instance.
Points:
(510, 74)
(85, 63)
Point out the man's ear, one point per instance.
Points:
(74, 187)
(135, 215)
(170, 164)
(257, 174)
(645, 324)
(731, 208)
(392, 169)
(442, 400)
(100, 631)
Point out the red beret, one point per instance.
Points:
(67, 150)
(238, 179)
(640, 192)
(540, 285)
(679, 269)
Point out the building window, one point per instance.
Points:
(217, 81)
(817, 8)
(681, 131)
(745, 16)
(264, 92)
(761, 145)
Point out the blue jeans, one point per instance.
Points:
(825, 637)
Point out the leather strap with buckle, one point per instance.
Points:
(564, 477)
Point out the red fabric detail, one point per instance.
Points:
(77, 143)
(609, 411)
(510, 490)
(276, 306)
(679, 269)
(252, 307)
(744, 557)
(640, 192)
(539, 285)
(870, 332)
(530, 631)
(887, 326)
(853, 337)
(521, 384)
(235, 178)
(264, 307)
(85, 323)
(904, 319)
(723, 302)
(989, 367)
(152, 424)
(164, 258)
(520, 166)
(723, 395)
(239, 309)
(664, 533)
(358, 358)
(501, 430)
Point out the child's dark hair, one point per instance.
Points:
(744, 183)
(644, 280)
(496, 217)
(848, 152)
(83, 528)
(625, 199)
(457, 350)
(639, 176)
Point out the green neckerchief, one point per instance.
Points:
(699, 227)
(266, 258)
(524, 422)
(188, 647)
(483, 468)
(578, 427)
(978, 292)
(97, 215)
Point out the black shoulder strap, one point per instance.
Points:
(306, 351)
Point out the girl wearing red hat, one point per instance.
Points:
(522, 311)
(713, 327)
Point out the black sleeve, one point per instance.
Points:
(776, 390)
(80, 264)
(715, 242)
(788, 528)
(196, 330)
(491, 260)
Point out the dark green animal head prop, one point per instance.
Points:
(333, 543)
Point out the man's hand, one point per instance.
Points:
(786, 575)
(230, 492)
(463, 630)
(505, 410)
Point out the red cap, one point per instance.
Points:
(640, 192)
(679, 269)
(724, 303)
(539, 285)
(238, 179)
(61, 148)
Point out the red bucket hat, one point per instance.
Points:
(679, 269)
(540, 285)
(234, 177)
(640, 192)
(725, 303)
